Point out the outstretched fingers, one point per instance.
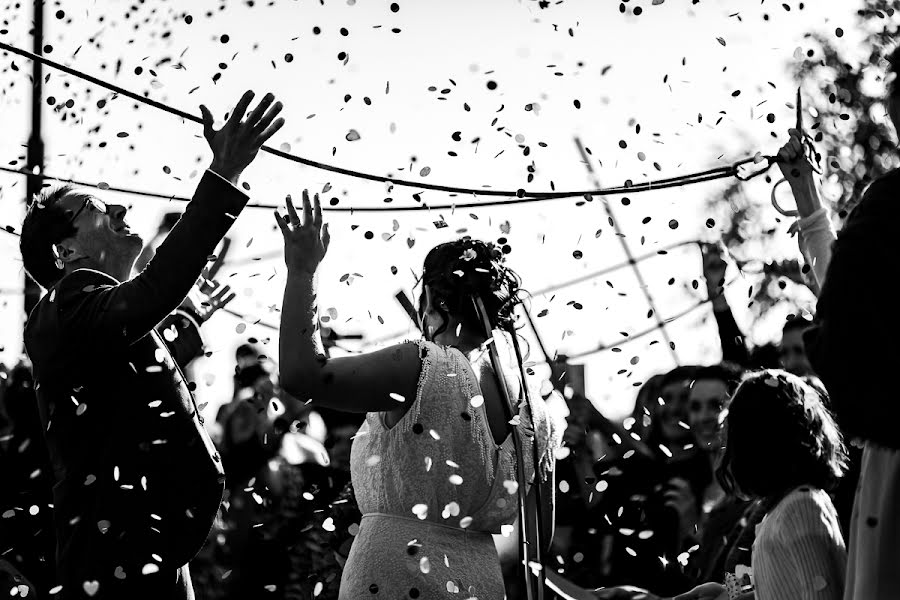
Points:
(326, 237)
(292, 212)
(208, 121)
(266, 119)
(257, 113)
(222, 297)
(282, 223)
(317, 212)
(239, 110)
(307, 209)
(263, 137)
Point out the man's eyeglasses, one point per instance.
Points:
(95, 204)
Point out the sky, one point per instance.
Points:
(679, 87)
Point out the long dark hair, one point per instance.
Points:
(779, 435)
(460, 270)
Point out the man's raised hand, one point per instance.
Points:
(236, 144)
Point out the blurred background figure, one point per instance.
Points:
(27, 542)
(792, 350)
(276, 535)
(165, 226)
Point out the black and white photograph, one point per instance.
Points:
(451, 300)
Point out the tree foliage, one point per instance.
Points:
(843, 87)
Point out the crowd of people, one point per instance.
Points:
(397, 473)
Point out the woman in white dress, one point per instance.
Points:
(434, 464)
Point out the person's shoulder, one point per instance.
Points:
(879, 197)
(84, 280)
(805, 508)
(885, 184)
(428, 351)
(80, 280)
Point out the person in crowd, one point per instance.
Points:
(720, 515)
(26, 501)
(165, 226)
(646, 405)
(434, 464)
(137, 480)
(799, 551)
(850, 358)
(269, 540)
(583, 539)
(711, 526)
(669, 433)
(734, 345)
(765, 356)
(792, 350)
(790, 353)
(341, 428)
(648, 496)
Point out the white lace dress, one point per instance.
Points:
(433, 488)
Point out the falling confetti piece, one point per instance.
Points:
(90, 587)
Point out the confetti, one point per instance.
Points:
(90, 587)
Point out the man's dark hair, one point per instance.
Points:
(46, 223)
(727, 373)
(779, 435)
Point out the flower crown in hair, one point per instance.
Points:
(472, 277)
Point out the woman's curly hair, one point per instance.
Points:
(779, 435)
(456, 271)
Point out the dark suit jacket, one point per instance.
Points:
(855, 345)
(138, 481)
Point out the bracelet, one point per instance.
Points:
(734, 588)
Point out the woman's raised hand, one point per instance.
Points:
(305, 240)
(794, 159)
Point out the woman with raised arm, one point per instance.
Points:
(434, 465)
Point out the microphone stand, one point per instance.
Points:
(532, 591)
